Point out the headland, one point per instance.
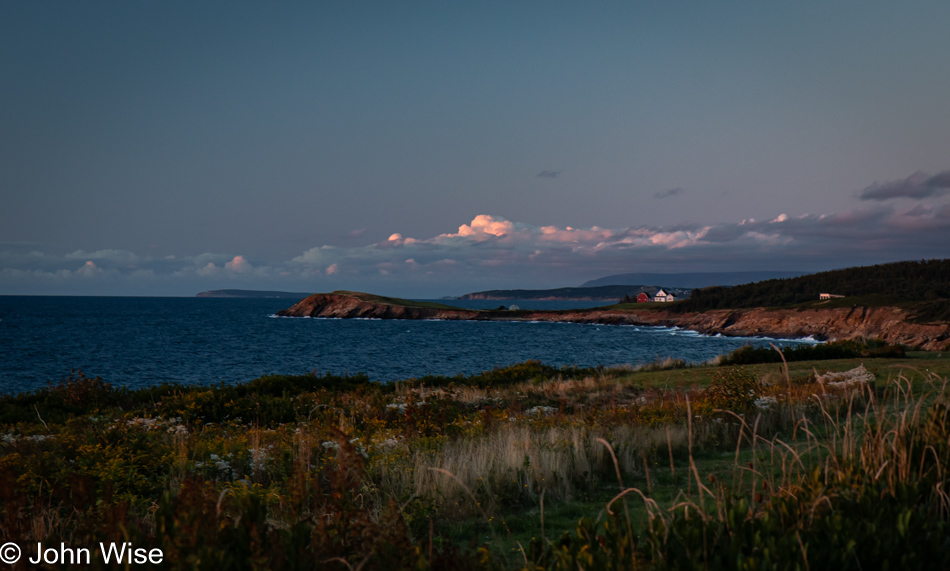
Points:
(888, 323)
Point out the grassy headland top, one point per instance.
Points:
(383, 300)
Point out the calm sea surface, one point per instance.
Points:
(142, 341)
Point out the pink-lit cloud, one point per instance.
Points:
(88, 269)
(491, 250)
(494, 245)
(238, 264)
(484, 225)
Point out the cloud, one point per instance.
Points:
(238, 264)
(207, 270)
(483, 225)
(492, 251)
(493, 247)
(667, 193)
(918, 185)
(89, 269)
(548, 174)
(113, 256)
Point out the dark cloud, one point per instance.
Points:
(724, 233)
(918, 185)
(668, 192)
(548, 174)
(941, 180)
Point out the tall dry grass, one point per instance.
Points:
(517, 463)
(871, 461)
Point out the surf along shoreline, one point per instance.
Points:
(890, 324)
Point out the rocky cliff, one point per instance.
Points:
(353, 305)
(888, 323)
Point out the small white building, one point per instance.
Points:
(828, 296)
(663, 296)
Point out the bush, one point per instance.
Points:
(849, 349)
(504, 376)
(72, 395)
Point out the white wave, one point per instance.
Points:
(653, 329)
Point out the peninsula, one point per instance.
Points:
(891, 324)
(901, 302)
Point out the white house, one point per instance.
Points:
(663, 296)
(828, 296)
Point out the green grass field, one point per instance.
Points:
(716, 467)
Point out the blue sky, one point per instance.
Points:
(432, 148)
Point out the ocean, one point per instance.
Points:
(140, 341)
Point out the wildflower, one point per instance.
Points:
(258, 459)
(389, 443)
(541, 410)
(765, 403)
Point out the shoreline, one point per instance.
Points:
(890, 324)
(672, 328)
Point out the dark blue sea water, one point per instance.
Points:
(142, 341)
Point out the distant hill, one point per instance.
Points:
(691, 280)
(602, 293)
(252, 293)
(926, 281)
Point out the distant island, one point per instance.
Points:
(601, 293)
(692, 280)
(252, 293)
(615, 287)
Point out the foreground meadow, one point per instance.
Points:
(801, 465)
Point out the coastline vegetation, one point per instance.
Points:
(923, 286)
(789, 465)
(383, 300)
(845, 349)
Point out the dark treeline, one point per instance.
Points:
(926, 280)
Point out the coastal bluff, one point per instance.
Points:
(890, 324)
(358, 305)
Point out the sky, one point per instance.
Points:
(427, 149)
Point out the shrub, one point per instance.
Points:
(848, 349)
(732, 389)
